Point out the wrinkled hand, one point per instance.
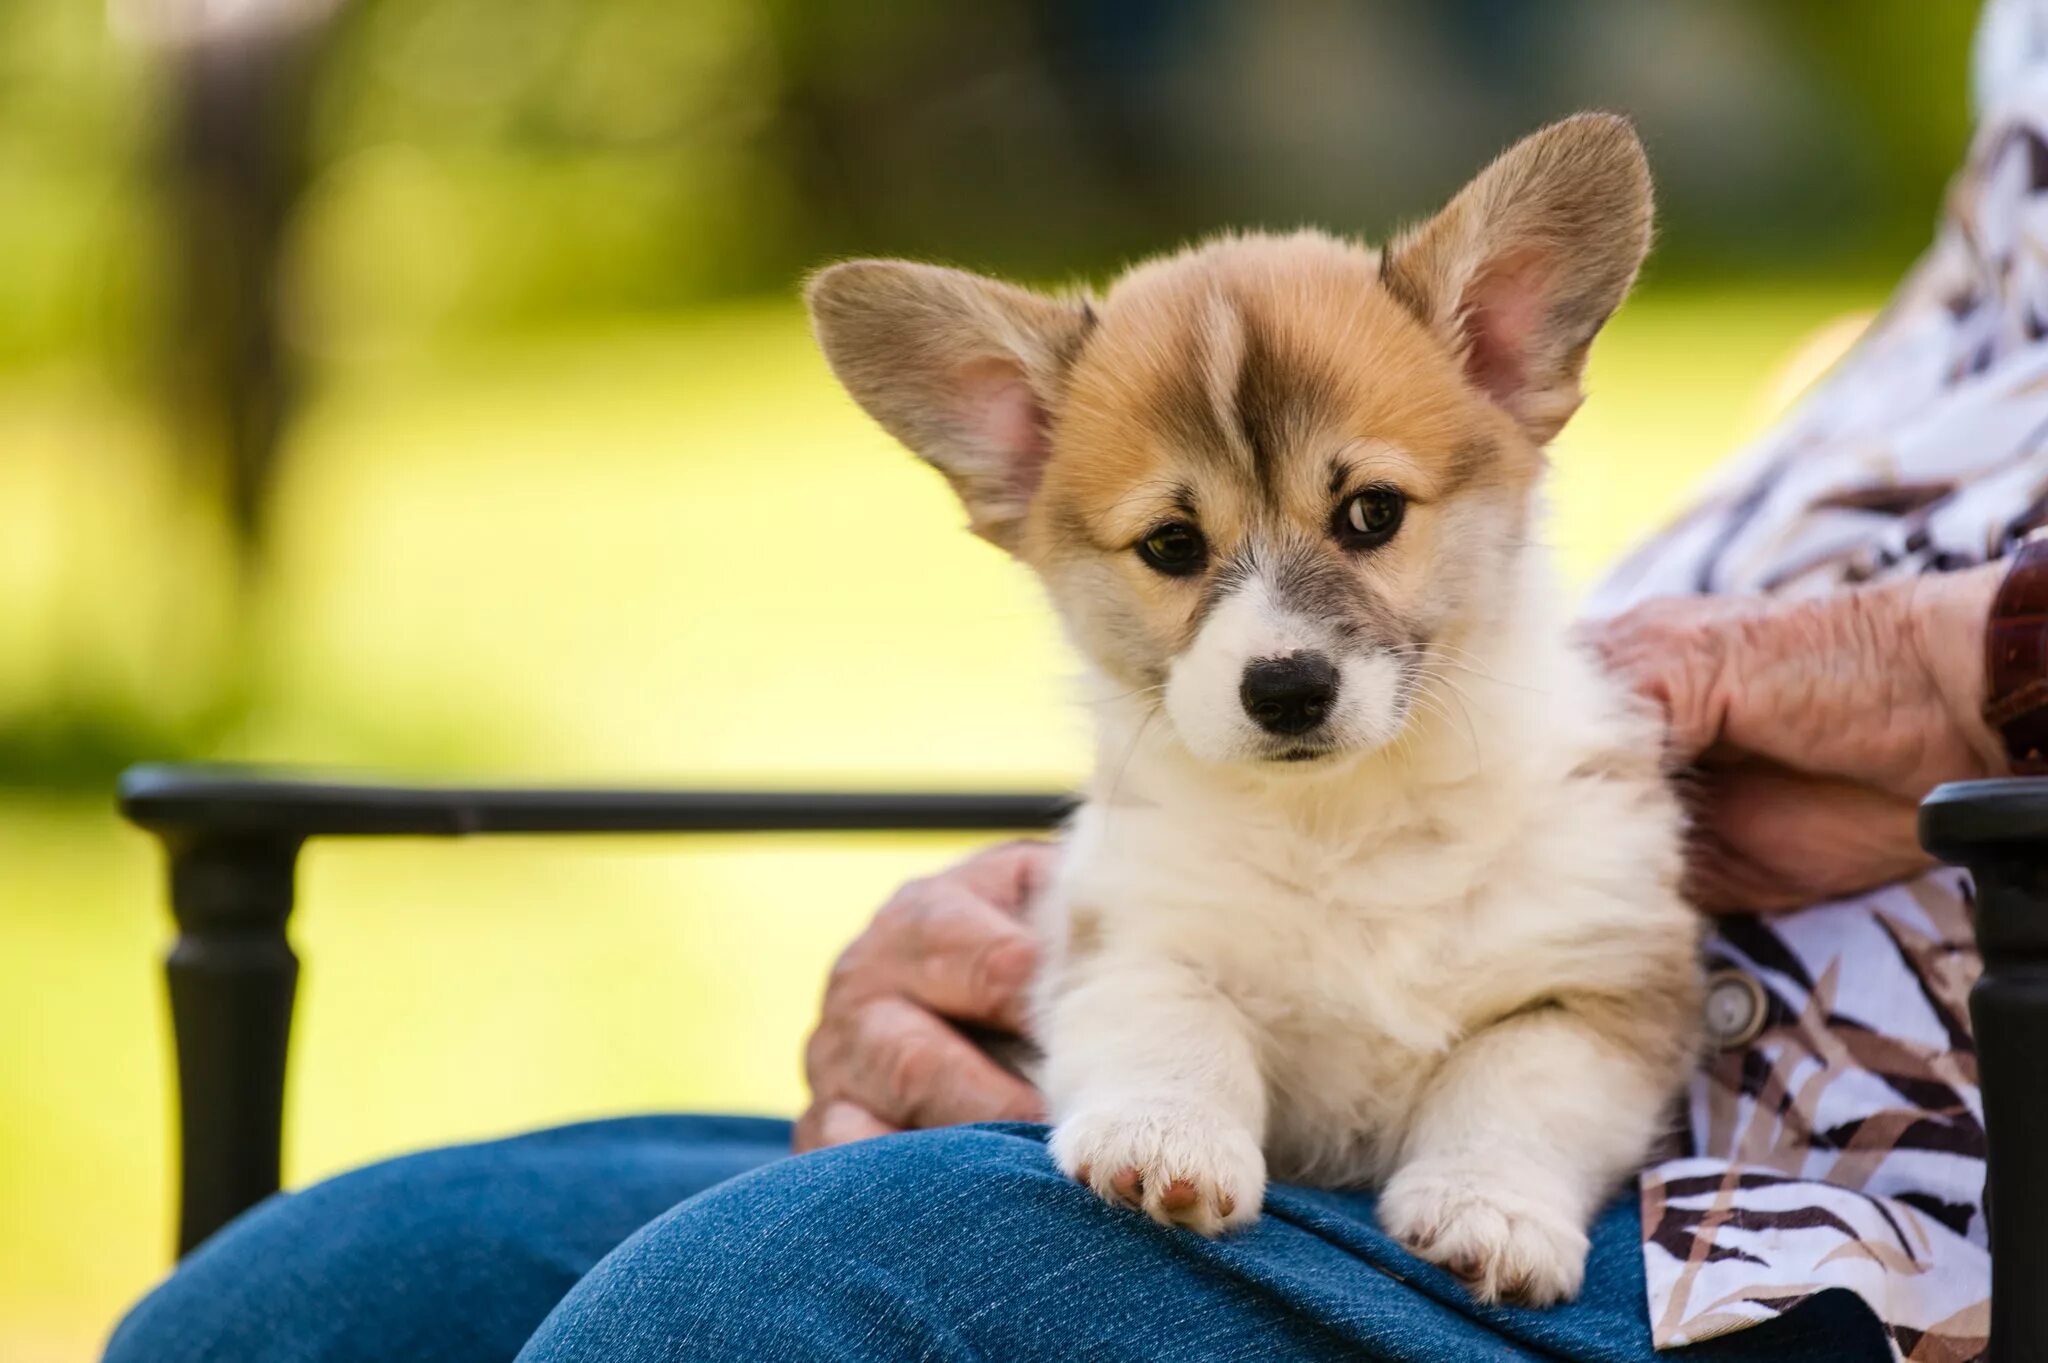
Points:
(886, 1054)
(1812, 728)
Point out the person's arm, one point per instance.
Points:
(1812, 728)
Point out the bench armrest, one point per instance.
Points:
(199, 801)
(1999, 830)
(232, 836)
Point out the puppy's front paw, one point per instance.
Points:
(1497, 1233)
(1181, 1166)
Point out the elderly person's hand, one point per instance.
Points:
(888, 1052)
(1813, 728)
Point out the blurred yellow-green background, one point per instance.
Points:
(418, 384)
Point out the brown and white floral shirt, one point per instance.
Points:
(1843, 1146)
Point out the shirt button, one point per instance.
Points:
(1736, 1008)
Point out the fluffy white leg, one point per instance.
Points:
(1518, 1141)
(1155, 1093)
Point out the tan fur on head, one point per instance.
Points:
(1246, 386)
(1512, 279)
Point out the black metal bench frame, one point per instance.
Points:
(233, 836)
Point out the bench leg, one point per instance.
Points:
(2009, 1013)
(232, 976)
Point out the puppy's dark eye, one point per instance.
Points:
(1176, 549)
(1369, 518)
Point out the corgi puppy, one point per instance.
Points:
(1376, 880)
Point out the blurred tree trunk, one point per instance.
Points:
(233, 160)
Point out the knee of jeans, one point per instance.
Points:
(804, 1258)
(228, 1295)
(323, 1274)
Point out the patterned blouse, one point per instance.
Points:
(1836, 1141)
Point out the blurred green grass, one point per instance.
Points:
(664, 552)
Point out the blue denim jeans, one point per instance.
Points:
(695, 1238)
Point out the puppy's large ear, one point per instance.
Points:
(1528, 262)
(964, 370)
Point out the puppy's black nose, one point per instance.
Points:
(1289, 695)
